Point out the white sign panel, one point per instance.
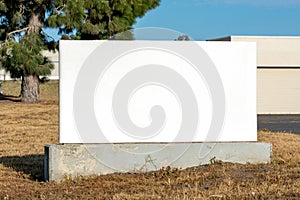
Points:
(157, 91)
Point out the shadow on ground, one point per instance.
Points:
(4, 97)
(32, 165)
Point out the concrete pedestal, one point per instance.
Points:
(95, 159)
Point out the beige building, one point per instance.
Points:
(278, 73)
(53, 57)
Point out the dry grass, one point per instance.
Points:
(26, 128)
(49, 91)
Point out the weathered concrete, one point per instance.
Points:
(95, 159)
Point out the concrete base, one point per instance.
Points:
(71, 160)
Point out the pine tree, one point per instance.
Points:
(183, 38)
(22, 37)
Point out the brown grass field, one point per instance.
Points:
(26, 128)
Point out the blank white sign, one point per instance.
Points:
(157, 91)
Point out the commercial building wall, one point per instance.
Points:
(278, 72)
(278, 91)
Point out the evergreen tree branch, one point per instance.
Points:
(17, 31)
(60, 8)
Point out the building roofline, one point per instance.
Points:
(230, 37)
(225, 38)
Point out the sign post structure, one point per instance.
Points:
(174, 103)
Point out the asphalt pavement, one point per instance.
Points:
(279, 123)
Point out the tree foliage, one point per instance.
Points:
(97, 19)
(22, 25)
(22, 39)
(183, 38)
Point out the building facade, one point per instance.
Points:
(278, 72)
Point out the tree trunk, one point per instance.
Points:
(30, 92)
